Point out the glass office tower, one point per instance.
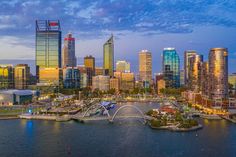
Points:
(108, 57)
(171, 68)
(48, 44)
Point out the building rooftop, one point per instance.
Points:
(17, 92)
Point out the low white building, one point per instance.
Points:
(101, 82)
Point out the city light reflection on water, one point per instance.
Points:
(122, 138)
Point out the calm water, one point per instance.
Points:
(125, 138)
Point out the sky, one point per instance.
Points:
(136, 25)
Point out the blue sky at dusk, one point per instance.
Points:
(136, 25)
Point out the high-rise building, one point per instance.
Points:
(6, 76)
(205, 79)
(145, 66)
(71, 77)
(171, 68)
(194, 73)
(122, 66)
(218, 73)
(21, 76)
(89, 62)
(187, 55)
(48, 45)
(68, 55)
(108, 56)
(101, 82)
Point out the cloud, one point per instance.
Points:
(89, 17)
(15, 47)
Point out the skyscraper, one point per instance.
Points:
(218, 73)
(21, 76)
(108, 56)
(68, 55)
(48, 44)
(194, 73)
(145, 66)
(122, 66)
(187, 55)
(171, 68)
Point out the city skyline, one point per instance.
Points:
(198, 32)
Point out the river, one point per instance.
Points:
(123, 138)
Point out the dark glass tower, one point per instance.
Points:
(171, 68)
(48, 44)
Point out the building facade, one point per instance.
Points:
(205, 79)
(6, 77)
(182, 83)
(101, 82)
(127, 80)
(71, 77)
(194, 73)
(218, 73)
(89, 74)
(161, 84)
(108, 56)
(232, 82)
(171, 68)
(145, 66)
(122, 66)
(50, 77)
(187, 55)
(21, 76)
(115, 84)
(89, 62)
(68, 55)
(48, 45)
(99, 71)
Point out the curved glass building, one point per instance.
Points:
(171, 68)
(218, 73)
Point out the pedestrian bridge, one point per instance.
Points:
(111, 118)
